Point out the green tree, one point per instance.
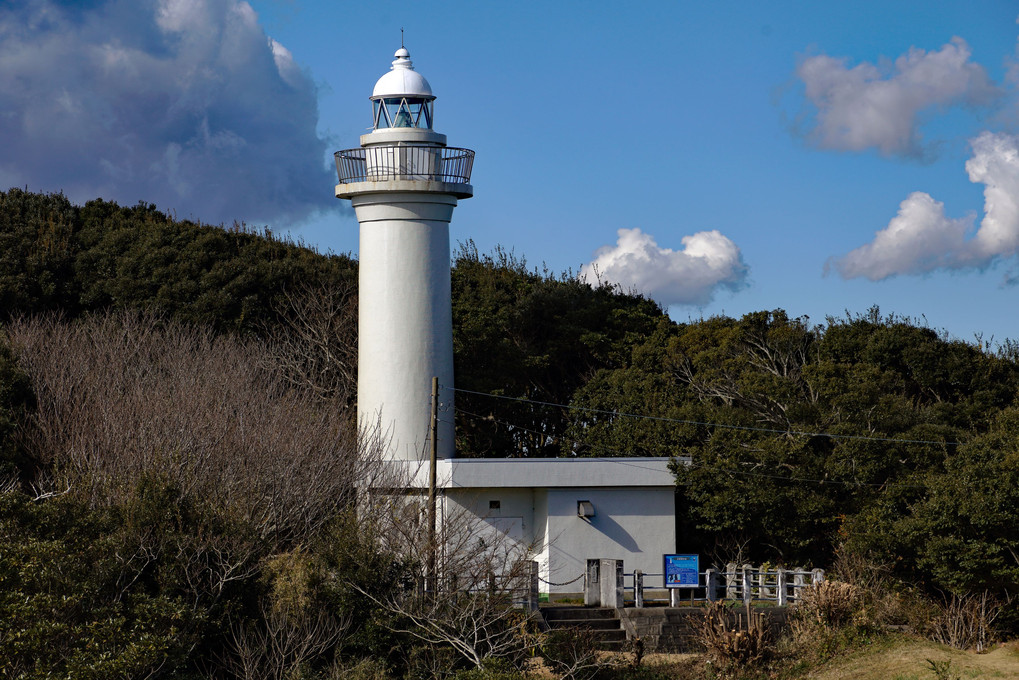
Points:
(956, 531)
(55, 256)
(224, 278)
(37, 249)
(534, 336)
(784, 431)
(608, 414)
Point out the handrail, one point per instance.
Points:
(404, 162)
(745, 583)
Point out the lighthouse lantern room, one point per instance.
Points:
(402, 98)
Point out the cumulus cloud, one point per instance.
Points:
(708, 261)
(921, 238)
(187, 104)
(868, 106)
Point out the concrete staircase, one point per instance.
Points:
(602, 623)
(663, 629)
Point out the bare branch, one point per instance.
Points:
(315, 344)
(282, 642)
(481, 573)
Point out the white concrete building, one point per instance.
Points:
(403, 183)
(567, 510)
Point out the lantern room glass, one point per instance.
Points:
(402, 112)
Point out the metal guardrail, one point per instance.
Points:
(748, 583)
(406, 162)
(519, 586)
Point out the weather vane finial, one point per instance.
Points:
(401, 38)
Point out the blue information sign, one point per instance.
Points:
(681, 571)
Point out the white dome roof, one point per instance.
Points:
(402, 80)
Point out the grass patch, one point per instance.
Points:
(904, 657)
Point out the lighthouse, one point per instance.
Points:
(403, 183)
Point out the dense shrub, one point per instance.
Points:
(830, 603)
(16, 401)
(77, 599)
(55, 256)
(734, 641)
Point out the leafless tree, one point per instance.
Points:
(729, 548)
(966, 621)
(282, 642)
(314, 344)
(122, 396)
(480, 575)
(573, 654)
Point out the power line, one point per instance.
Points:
(678, 421)
(839, 482)
(521, 428)
(701, 466)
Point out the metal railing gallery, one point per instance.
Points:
(406, 162)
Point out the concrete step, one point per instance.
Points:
(603, 639)
(614, 645)
(578, 613)
(594, 624)
(601, 624)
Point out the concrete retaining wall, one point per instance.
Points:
(673, 629)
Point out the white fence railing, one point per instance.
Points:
(606, 584)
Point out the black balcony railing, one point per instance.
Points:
(412, 161)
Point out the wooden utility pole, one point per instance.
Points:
(432, 547)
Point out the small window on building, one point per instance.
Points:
(494, 505)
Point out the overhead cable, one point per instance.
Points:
(748, 428)
(715, 468)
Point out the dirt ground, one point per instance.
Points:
(682, 664)
(907, 659)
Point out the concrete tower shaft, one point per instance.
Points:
(403, 183)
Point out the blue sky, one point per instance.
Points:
(791, 155)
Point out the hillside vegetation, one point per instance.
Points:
(55, 256)
(179, 461)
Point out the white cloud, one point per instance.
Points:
(918, 240)
(182, 15)
(868, 106)
(921, 238)
(709, 261)
(187, 104)
(995, 164)
(285, 63)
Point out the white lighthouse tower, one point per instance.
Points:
(403, 183)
